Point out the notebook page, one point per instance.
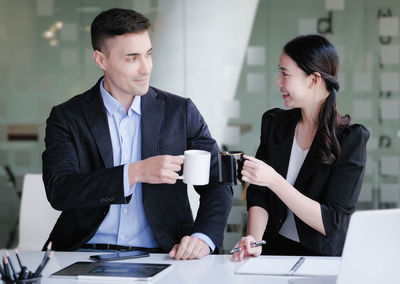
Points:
(260, 265)
(319, 266)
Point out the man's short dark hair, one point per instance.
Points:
(116, 22)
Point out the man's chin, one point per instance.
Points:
(141, 92)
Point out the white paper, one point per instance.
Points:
(362, 108)
(390, 81)
(320, 267)
(389, 26)
(69, 32)
(256, 55)
(390, 165)
(390, 109)
(390, 192)
(334, 4)
(366, 192)
(69, 57)
(276, 265)
(231, 135)
(282, 266)
(390, 54)
(307, 26)
(44, 7)
(362, 82)
(256, 82)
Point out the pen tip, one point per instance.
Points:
(7, 254)
(16, 250)
(49, 245)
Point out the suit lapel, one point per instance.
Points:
(310, 165)
(94, 112)
(284, 137)
(284, 140)
(152, 113)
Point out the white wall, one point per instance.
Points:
(199, 47)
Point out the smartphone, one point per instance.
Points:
(120, 255)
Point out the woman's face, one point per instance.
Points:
(294, 84)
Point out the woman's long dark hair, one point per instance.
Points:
(314, 53)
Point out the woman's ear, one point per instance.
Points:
(316, 79)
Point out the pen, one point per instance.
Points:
(19, 260)
(41, 267)
(3, 275)
(296, 265)
(7, 270)
(14, 274)
(253, 245)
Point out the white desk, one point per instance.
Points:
(210, 269)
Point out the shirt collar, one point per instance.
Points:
(113, 106)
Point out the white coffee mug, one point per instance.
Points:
(196, 167)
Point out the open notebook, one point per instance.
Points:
(283, 265)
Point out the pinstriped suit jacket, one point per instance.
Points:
(81, 181)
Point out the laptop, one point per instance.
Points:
(371, 252)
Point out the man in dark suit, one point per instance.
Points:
(111, 157)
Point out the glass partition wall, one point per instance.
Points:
(223, 55)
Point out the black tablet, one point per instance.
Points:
(113, 270)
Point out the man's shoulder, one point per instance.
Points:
(165, 96)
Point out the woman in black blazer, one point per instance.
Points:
(309, 167)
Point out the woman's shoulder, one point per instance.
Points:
(354, 140)
(356, 131)
(278, 113)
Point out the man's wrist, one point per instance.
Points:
(205, 239)
(133, 173)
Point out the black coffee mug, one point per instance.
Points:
(230, 165)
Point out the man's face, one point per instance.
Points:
(127, 64)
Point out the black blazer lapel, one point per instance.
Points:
(310, 165)
(152, 112)
(96, 117)
(283, 137)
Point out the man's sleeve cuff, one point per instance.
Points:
(205, 238)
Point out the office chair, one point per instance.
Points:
(37, 217)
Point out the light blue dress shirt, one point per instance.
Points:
(126, 224)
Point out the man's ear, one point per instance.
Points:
(99, 58)
(316, 79)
